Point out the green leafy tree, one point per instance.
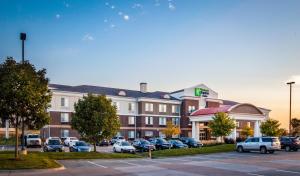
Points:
(247, 131)
(221, 125)
(24, 95)
(171, 130)
(270, 127)
(295, 126)
(95, 118)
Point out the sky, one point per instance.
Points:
(246, 50)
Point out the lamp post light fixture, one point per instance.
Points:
(23, 38)
(290, 124)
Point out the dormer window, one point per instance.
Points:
(122, 93)
(166, 96)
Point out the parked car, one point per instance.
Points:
(33, 140)
(117, 138)
(262, 144)
(143, 145)
(191, 142)
(104, 142)
(57, 138)
(80, 146)
(123, 147)
(177, 144)
(63, 139)
(290, 143)
(160, 143)
(70, 141)
(53, 145)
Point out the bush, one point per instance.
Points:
(229, 141)
(240, 139)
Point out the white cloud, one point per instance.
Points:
(57, 16)
(88, 37)
(112, 26)
(295, 78)
(105, 20)
(120, 13)
(171, 6)
(112, 7)
(126, 17)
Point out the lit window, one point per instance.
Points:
(64, 117)
(162, 121)
(248, 124)
(191, 109)
(237, 124)
(162, 108)
(149, 120)
(131, 120)
(149, 107)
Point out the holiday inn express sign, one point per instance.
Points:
(200, 92)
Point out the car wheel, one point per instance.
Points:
(287, 148)
(263, 150)
(295, 149)
(271, 151)
(240, 149)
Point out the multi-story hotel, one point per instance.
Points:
(145, 114)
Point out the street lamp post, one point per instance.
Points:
(290, 124)
(23, 38)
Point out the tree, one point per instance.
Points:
(295, 126)
(247, 131)
(24, 95)
(221, 125)
(171, 130)
(95, 118)
(270, 128)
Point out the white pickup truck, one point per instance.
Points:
(33, 140)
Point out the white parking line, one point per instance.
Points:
(292, 172)
(156, 161)
(254, 174)
(132, 164)
(96, 164)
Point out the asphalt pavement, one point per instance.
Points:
(232, 163)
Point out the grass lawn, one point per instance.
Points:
(194, 151)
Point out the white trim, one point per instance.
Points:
(58, 110)
(155, 115)
(66, 93)
(205, 118)
(57, 126)
(159, 100)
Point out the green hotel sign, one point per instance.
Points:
(200, 92)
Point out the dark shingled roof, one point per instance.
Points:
(111, 91)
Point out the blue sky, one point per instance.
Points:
(245, 50)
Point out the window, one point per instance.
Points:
(64, 117)
(191, 108)
(64, 133)
(175, 109)
(131, 120)
(175, 121)
(149, 120)
(248, 124)
(149, 107)
(131, 106)
(149, 133)
(131, 134)
(237, 124)
(64, 102)
(117, 105)
(162, 108)
(162, 121)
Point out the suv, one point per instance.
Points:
(290, 143)
(160, 143)
(262, 144)
(33, 140)
(191, 142)
(143, 145)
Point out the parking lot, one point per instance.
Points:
(232, 163)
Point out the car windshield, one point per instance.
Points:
(81, 144)
(125, 144)
(121, 137)
(145, 142)
(33, 136)
(54, 142)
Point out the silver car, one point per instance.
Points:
(262, 144)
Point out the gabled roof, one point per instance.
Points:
(208, 111)
(110, 91)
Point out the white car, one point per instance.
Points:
(117, 138)
(123, 147)
(70, 141)
(33, 140)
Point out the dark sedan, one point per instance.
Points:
(80, 146)
(53, 145)
(177, 144)
(160, 143)
(191, 142)
(143, 145)
(104, 142)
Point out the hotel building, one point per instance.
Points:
(145, 114)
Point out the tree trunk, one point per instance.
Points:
(17, 141)
(95, 147)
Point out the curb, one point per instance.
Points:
(35, 170)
